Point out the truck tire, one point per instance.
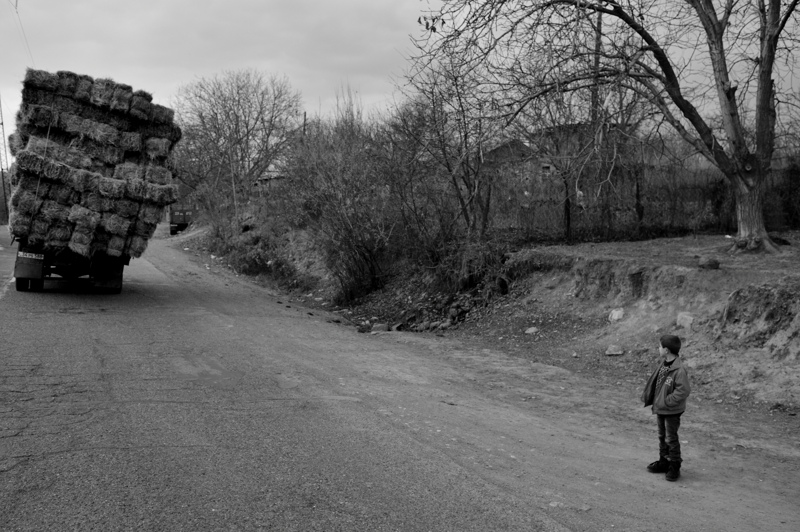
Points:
(37, 285)
(23, 285)
(116, 288)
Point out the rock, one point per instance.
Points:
(380, 327)
(616, 315)
(614, 351)
(574, 355)
(684, 320)
(532, 330)
(708, 263)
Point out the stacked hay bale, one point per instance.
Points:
(91, 170)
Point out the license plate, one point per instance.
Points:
(26, 255)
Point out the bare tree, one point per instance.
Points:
(235, 126)
(458, 127)
(340, 195)
(718, 74)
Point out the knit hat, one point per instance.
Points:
(673, 343)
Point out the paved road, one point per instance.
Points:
(195, 401)
(190, 403)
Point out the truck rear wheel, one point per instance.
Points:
(29, 285)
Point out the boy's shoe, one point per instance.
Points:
(674, 471)
(659, 466)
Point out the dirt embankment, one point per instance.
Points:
(738, 315)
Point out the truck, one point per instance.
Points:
(34, 264)
(91, 178)
(181, 215)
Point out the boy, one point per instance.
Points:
(667, 390)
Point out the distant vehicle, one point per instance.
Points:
(181, 214)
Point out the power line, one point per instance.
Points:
(21, 29)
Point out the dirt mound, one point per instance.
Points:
(738, 314)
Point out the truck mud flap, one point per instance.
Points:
(29, 265)
(29, 271)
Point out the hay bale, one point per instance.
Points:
(151, 214)
(71, 123)
(162, 115)
(136, 246)
(32, 183)
(36, 96)
(97, 203)
(39, 79)
(14, 175)
(53, 212)
(63, 195)
(39, 227)
(83, 88)
(135, 189)
(144, 229)
(157, 175)
(161, 194)
(130, 141)
(38, 116)
(67, 83)
(19, 224)
(102, 92)
(121, 99)
(128, 171)
(30, 161)
(106, 154)
(110, 155)
(84, 219)
(164, 131)
(115, 224)
(59, 235)
(27, 202)
(99, 132)
(141, 107)
(81, 243)
(55, 171)
(157, 148)
(127, 208)
(85, 181)
(52, 150)
(16, 194)
(15, 144)
(111, 188)
(116, 245)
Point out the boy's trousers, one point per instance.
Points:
(669, 446)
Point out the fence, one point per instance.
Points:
(631, 201)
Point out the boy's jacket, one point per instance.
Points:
(671, 398)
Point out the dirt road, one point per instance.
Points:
(198, 401)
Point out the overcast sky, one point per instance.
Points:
(159, 45)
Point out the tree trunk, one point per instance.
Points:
(752, 235)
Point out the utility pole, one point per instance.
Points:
(4, 217)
